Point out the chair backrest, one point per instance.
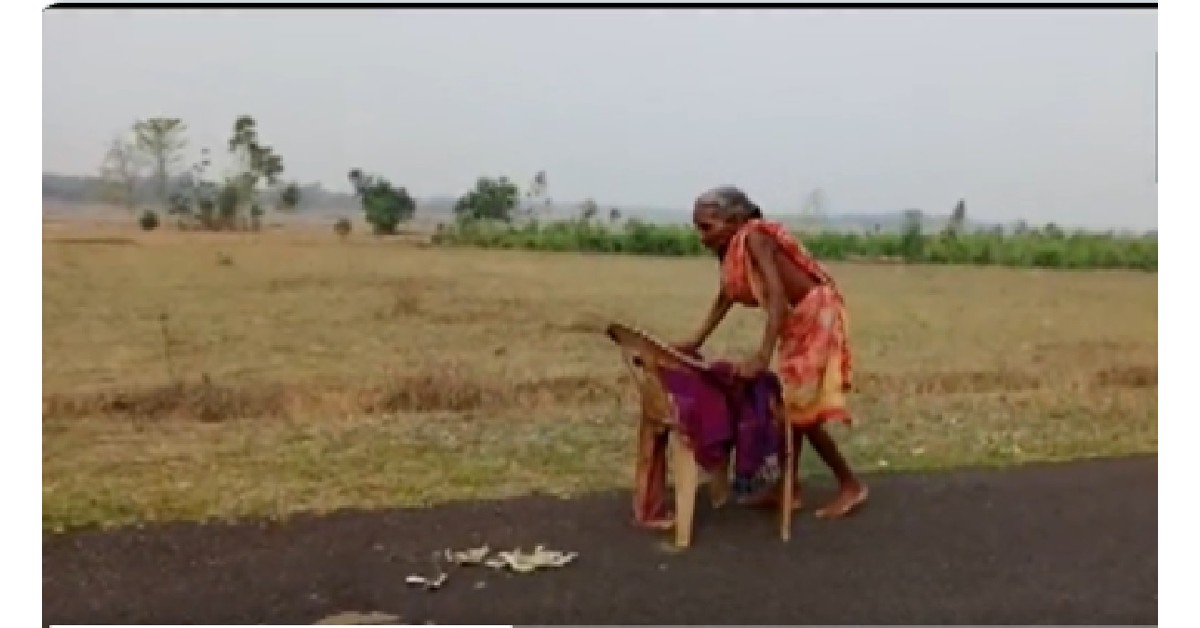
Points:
(646, 358)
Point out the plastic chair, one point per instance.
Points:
(647, 358)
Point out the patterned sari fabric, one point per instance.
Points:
(813, 352)
(718, 415)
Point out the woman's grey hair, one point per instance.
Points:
(730, 202)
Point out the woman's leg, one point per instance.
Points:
(851, 491)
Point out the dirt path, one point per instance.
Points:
(1056, 544)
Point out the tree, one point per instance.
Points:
(958, 219)
(812, 211)
(492, 199)
(119, 173)
(357, 180)
(912, 243)
(179, 204)
(289, 197)
(535, 193)
(161, 141)
(588, 210)
(196, 197)
(227, 202)
(384, 206)
(257, 162)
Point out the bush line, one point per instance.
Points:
(1032, 249)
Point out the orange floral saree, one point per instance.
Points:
(813, 352)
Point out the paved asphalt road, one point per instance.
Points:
(1049, 544)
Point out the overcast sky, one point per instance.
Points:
(1046, 115)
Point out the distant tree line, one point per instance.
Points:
(144, 166)
(1045, 247)
(74, 189)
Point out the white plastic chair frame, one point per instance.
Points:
(646, 357)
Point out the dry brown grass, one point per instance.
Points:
(315, 374)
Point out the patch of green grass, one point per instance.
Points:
(259, 469)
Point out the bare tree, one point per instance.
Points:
(161, 140)
(119, 172)
(812, 212)
(588, 210)
(958, 218)
(534, 193)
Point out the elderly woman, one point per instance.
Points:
(762, 265)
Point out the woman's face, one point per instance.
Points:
(715, 230)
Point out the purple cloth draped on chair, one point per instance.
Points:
(720, 412)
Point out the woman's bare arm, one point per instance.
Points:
(720, 307)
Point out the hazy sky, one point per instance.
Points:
(1046, 115)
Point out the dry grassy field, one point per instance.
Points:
(197, 375)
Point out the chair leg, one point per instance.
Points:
(687, 481)
(788, 484)
(650, 478)
(718, 485)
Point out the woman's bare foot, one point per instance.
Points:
(848, 499)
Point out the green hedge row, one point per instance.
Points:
(1032, 249)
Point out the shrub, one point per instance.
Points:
(148, 220)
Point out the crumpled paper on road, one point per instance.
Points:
(526, 563)
(514, 560)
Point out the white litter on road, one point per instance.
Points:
(515, 561)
